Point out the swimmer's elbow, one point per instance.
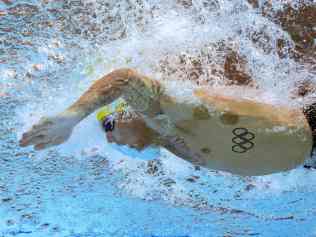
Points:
(124, 72)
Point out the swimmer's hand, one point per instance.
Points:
(49, 131)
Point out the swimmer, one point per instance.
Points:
(221, 132)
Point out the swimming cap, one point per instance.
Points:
(105, 111)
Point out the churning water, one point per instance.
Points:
(52, 50)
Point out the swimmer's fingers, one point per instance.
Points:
(49, 131)
(42, 125)
(45, 145)
(28, 136)
(42, 146)
(34, 139)
(35, 132)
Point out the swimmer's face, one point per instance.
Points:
(131, 132)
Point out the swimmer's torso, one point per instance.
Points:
(239, 136)
(242, 136)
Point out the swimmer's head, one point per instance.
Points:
(126, 128)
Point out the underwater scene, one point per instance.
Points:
(52, 51)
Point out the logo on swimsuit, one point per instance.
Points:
(242, 140)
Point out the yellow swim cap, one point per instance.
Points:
(106, 110)
(103, 112)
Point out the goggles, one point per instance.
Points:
(108, 123)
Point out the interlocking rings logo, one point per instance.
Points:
(243, 140)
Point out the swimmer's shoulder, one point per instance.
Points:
(251, 108)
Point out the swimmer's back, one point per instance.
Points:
(242, 136)
(236, 135)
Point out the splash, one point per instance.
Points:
(220, 43)
(52, 51)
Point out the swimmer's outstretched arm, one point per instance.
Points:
(139, 91)
(177, 146)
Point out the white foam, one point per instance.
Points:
(169, 30)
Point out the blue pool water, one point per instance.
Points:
(51, 51)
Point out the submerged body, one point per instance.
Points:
(222, 132)
(242, 136)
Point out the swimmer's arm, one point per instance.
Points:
(122, 82)
(135, 88)
(177, 146)
(102, 92)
